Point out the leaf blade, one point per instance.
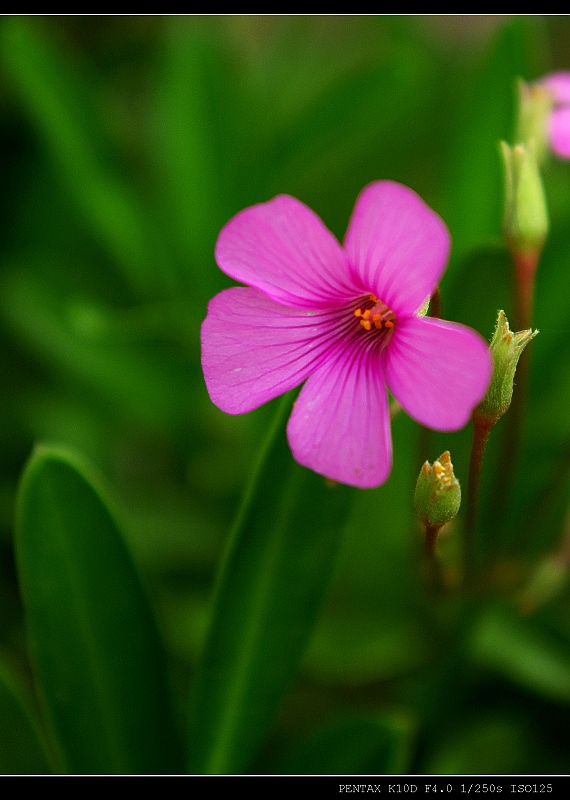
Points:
(270, 590)
(99, 661)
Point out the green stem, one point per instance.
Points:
(481, 429)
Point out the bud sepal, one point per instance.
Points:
(506, 348)
(536, 101)
(438, 494)
(526, 216)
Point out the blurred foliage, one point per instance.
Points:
(126, 144)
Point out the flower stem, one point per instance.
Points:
(431, 534)
(481, 429)
(434, 576)
(524, 265)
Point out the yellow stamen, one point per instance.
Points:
(375, 316)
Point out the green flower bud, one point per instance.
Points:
(526, 217)
(506, 348)
(438, 494)
(535, 105)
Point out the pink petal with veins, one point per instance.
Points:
(285, 250)
(254, 349)
(438, 371)
(340, 425)
(396, 245)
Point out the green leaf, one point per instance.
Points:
(475, 210)
(146, 383)
(364, 646)
(276, 570)
(370, 745)
(491, 746)
(99, 662)
(185, 151)
(57, 96)
(379, 103)
(524, 653)
(21, 751)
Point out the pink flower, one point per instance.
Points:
(344, 320)
(558, 84)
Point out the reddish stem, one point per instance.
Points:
(525, 264)
(431, 534)
(481, 429)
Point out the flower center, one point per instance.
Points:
(374, 317)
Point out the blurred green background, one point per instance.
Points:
(126, 144)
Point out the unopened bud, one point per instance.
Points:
(506, 348)
(535, 106)
(438, 494)
(526, 217)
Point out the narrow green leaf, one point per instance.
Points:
(380, 103)
(270, 589)
(521, 651)
(491, 746)
(364, 647)
(145, 383)
(97, 654)
(185, 150)
(370, 745)
(57, 96)
(21, 751)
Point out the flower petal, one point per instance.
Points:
(559, 84)
(396, 245)
(559, 130)
(437, 370)
(340, 425)
(285, 250)
(254, 349)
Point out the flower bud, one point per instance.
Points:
(526, 217)
(506, 348)
(535, 106)
(438, 494)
